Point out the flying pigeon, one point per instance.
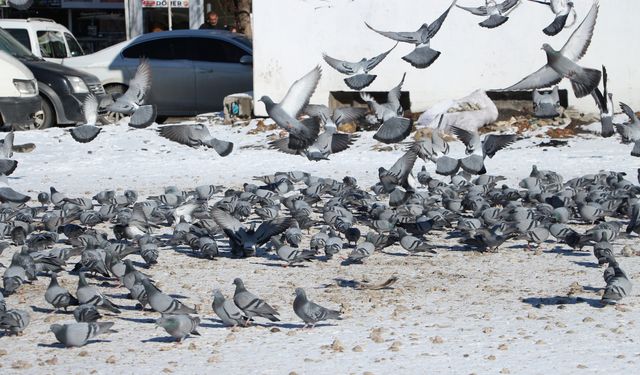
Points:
(489, 145)
(394, 127)
(244, 242)
(194, 136)
(604, 100)
(562, 9)
(302, 133)
(563, 63)
(78, 334)
(358, 71)
(400, 172)
(310, 312)
(227, 311)
(179, 326)
(629, 131)
(252, 305)
(496, 12)
(422, 56)
(88, 131)
(132, 101)
(546, 105)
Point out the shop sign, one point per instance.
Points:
(164, 3)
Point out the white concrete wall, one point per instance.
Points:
(290, 36)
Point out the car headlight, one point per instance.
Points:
(77, 85)
(26, 86)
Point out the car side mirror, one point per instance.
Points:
(246, 60)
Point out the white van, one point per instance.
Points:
(43, 37)
(19, 99)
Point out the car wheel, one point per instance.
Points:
(114, 91)
(161, 119)
(43, 119)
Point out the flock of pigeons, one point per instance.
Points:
(101, 234)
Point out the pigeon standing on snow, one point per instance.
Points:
(496, 12)
(227, 311)
(78, 334)
(422, 56)
(58, 296)
(252, 305)
(563, 9)
(618, 284)
(163, 303)
(132, 101)
(563, 63)
(394, 127)
(194, 136)
(310, 312)
(604, 100)
(88, 131)
(14, 321)
(285, 114)
(90, 295)
(358, 71)
(179, 326)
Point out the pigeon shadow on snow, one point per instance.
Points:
(586, 264)
(569, 252)
(539, 302)
(138, 320)
(62, 346)
(163, 339)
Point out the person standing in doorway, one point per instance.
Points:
(211, 22)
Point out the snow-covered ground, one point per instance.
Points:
(515, 311)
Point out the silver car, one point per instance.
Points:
(192, 70)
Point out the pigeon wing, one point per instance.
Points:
(435, 25)
(629, 112)
(190, 135)
(272, 228)
(507, 5)
(543, 77)
(225, 221)
(479, 11)
(579, 41)
(90, 109)
(404, 165)
(140, 83)
(282, 145)
(343, 67)
(7, 145)
(300, 92)
(406, 37)
(393, 97)
(493, 143)
(347, 114)
(468, 138)
(372, 62)
(341, 141)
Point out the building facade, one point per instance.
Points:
(98, 24)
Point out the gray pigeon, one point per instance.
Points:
(302, 134)
(58, 296)
(292, 255)
(243, 241)
(618, 284)
(422, 56)
(14, 321)
(547, 104)
(489, 145)
(132, 101)
(562, 9)
(563, 63)
(7, 194)
(394, 127)
(194, 136)
(78, 334)
(227, 311)
(604, 100)
(629, 131)
(252, 305)
(494, 11)
(3, 303)
(90, 295)
(88, 131)
(362, 251)
(179, 326)
(310, 312)
(400, 173)
(358, 71)
(163, 303)
(86, 314)
(413, 244)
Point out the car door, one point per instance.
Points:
(172, 76)
(219, 72)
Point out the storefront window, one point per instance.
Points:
(157, 19)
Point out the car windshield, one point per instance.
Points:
(13, 47)
(243, 40)
(74, 47)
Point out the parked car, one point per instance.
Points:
(192, 70)
(43, 37)
(19, 100)
(61, 88)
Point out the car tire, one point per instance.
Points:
(43, 119)
(114, 91)
(161, 119)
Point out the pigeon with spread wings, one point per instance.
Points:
(131, 103)
(494, 11)
(422, 56)
(394, 127)
(563, 9)
(302, 133)
(489, 145)
(562, 64)
(358, 71)
(88, 131)
(195, 135)
(604, 100)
